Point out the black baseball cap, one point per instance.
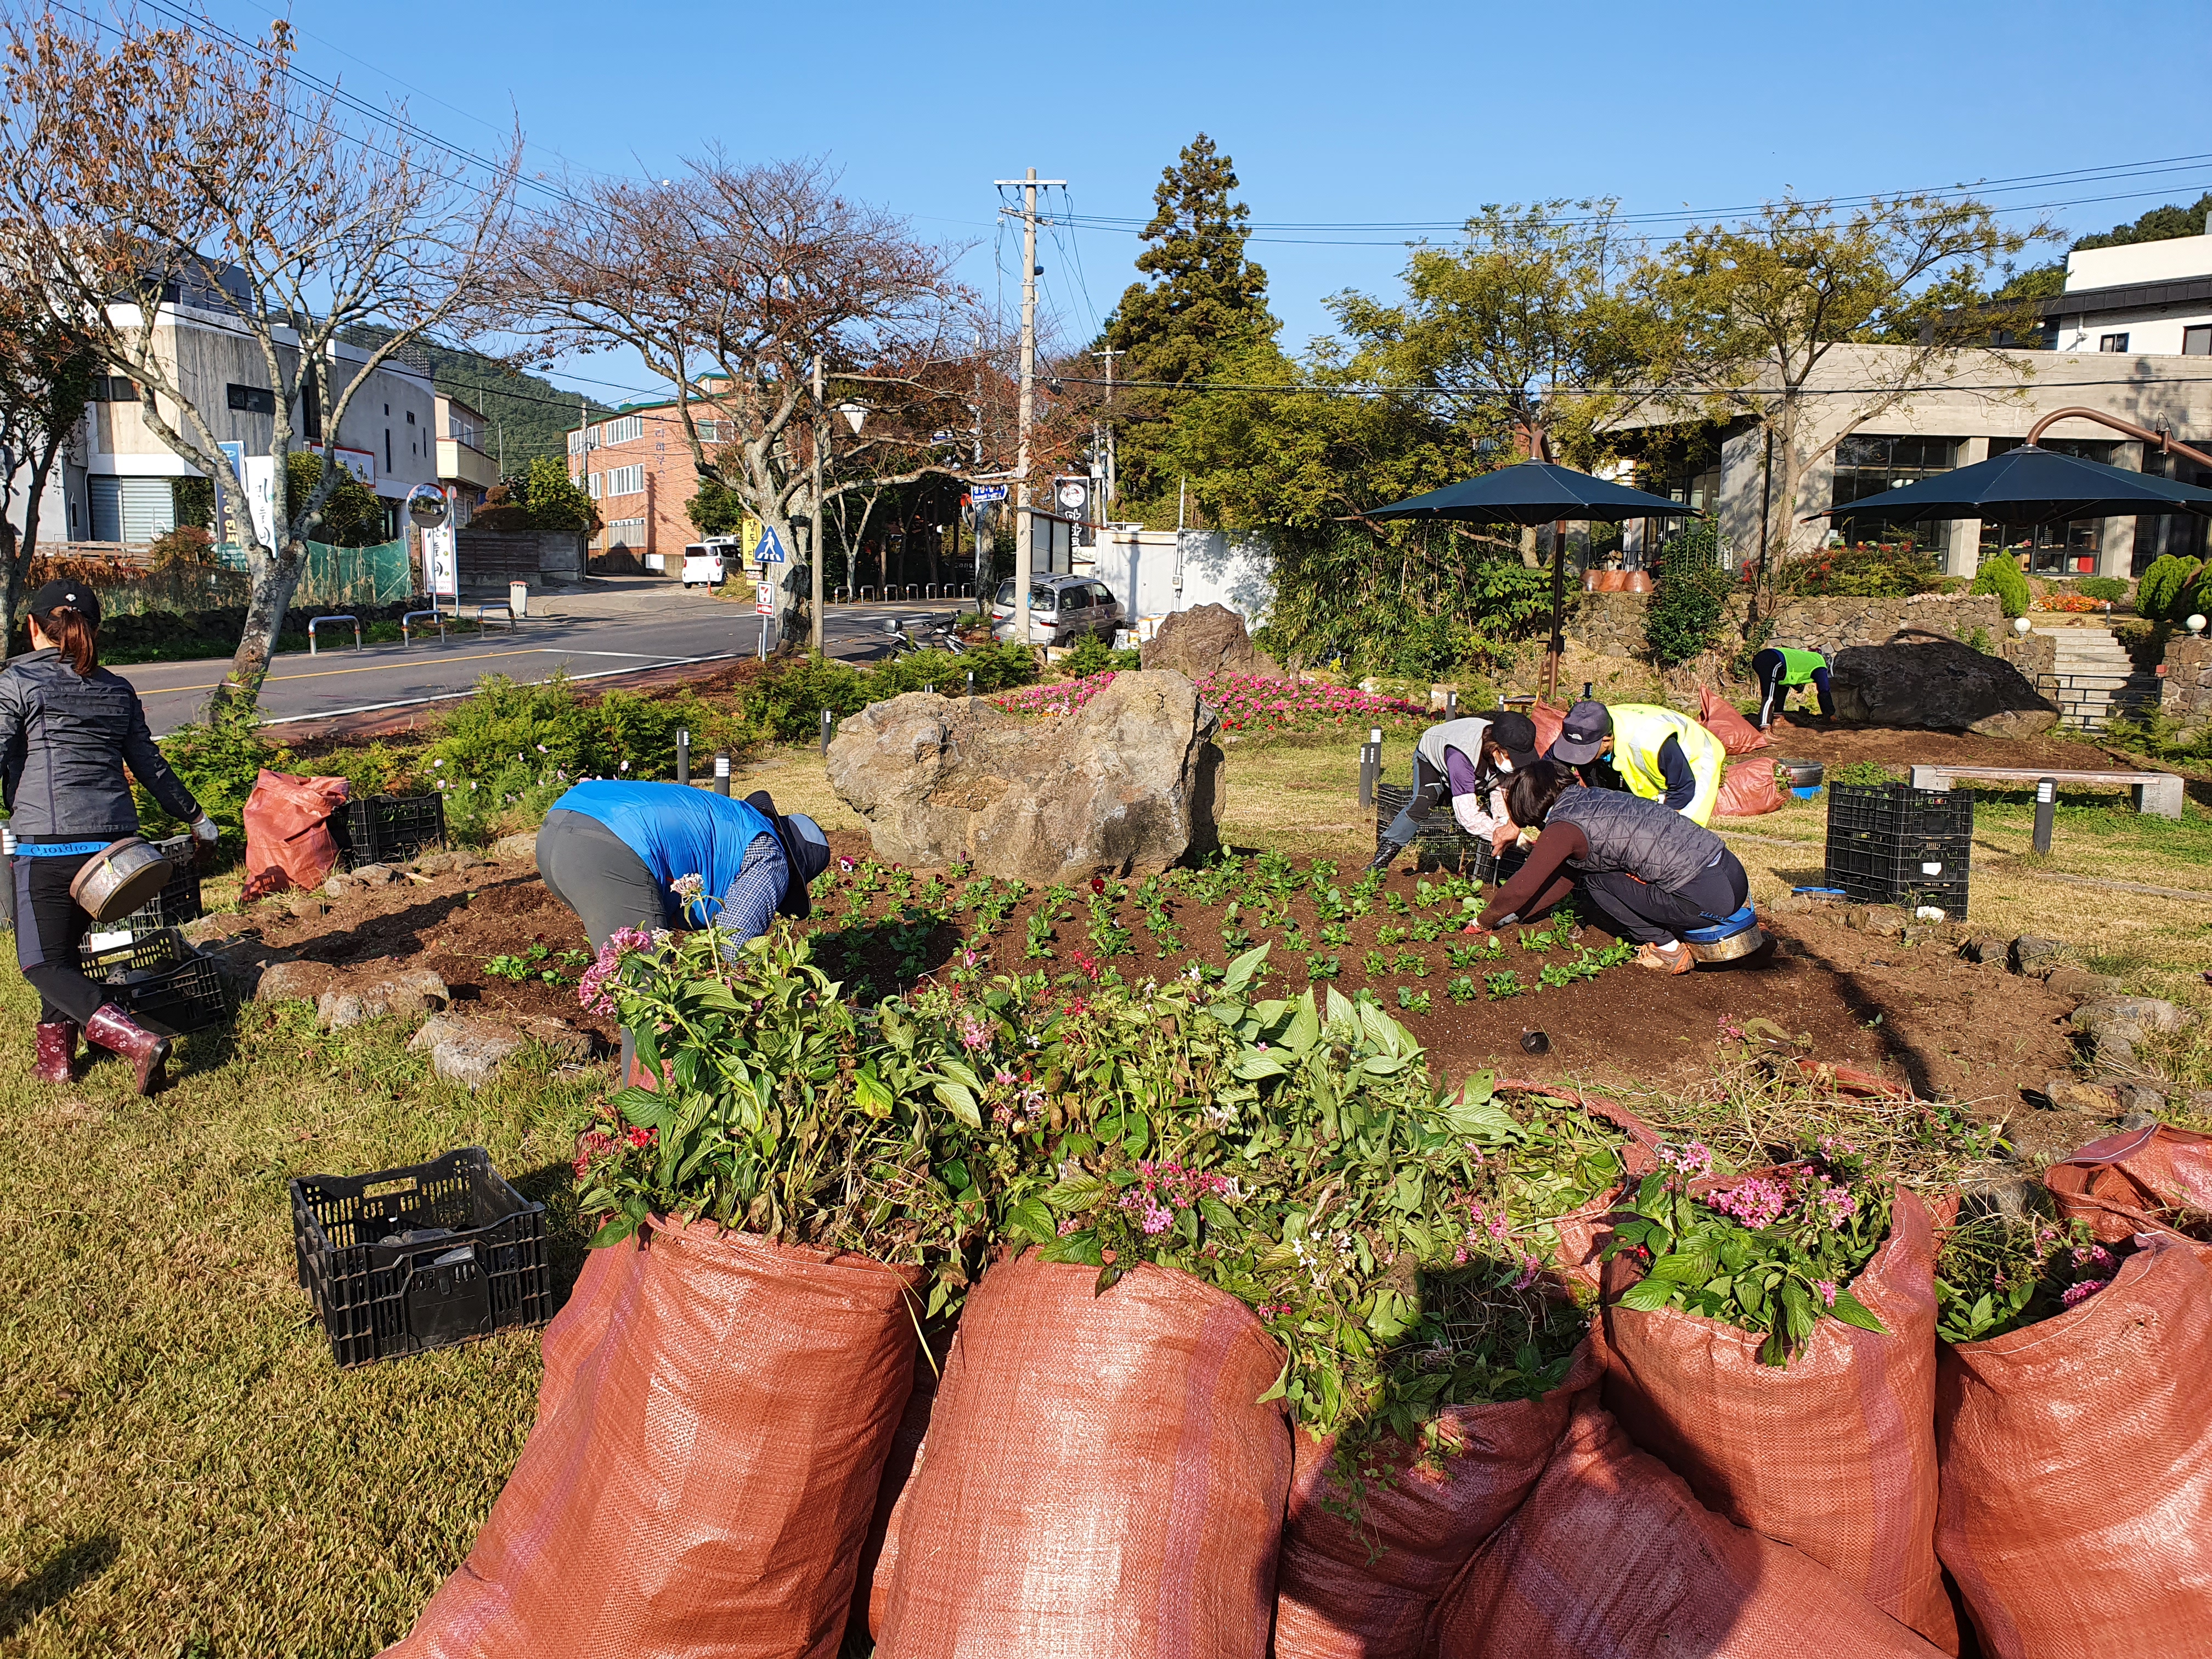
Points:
(1583, 734)
(1516, 735)
(67, 596)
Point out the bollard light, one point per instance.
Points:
(2020, 625)
(2196, 622)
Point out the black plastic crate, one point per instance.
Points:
(378, 829)
(1440, 837)
(161, 982)
(1893, 844)
(144, 953)
(423, 1257)
(175, 904)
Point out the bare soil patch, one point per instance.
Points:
(1798, 737)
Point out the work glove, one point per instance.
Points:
(204, 835)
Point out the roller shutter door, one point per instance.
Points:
(131, 510)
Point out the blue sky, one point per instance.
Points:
(1335, 114)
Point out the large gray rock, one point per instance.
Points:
(469, 1052)
(1204, 639)
(411, 991)
(1129, 785)
(1940, 684)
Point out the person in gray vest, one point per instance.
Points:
(1467, 762)
(1652, 872)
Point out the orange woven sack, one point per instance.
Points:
(287, 831)
(1748, 789)
(1834, 1454)
(872, 1587)
(1338, 1598)
(2078, 1470)
(1612, 1558)
(581, 1324)
(1737, 735)
(702, 1484)
(1547, 720)
(2122, 1184)
(1101, 1477)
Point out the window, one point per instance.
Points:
(626, 533)
(410, 417)
(131, 510)
(2196, 342)
(1077, 598)
(1867, 465)
(311, 405)
(592, 486)
(1101, 594)
(713, 432)
(252, 399)
(576, 443)
(622, 431)
(113, 389)
(2111, 342)
(627, 480)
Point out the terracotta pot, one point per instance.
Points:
(1593, 581)
(1635, 582)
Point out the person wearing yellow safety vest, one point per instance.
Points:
(1658, 753)
(1780, 672)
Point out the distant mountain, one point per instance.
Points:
(526, 413)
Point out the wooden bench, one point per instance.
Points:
(2157, 793)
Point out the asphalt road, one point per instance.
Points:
(608, 626)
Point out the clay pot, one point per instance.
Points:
(1635, 582)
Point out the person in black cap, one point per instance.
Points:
(68, 729)
(1656, 752)
(613, 852)
(1468, 762)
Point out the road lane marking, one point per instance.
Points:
(371, 668)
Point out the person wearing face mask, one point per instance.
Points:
(68, 729)
(1467, 762)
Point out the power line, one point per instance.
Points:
(1119, 383)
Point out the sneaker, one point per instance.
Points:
(1674, 958)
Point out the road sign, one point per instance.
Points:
(764, 598)
(769, 548)
(440, 568)
(982, 493)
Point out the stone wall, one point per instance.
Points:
(2187, 694)
(1612, 624)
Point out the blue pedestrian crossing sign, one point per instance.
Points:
(769, 548)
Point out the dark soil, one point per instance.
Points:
(1803, 737)
(1915, 1013)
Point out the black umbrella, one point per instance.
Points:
(1532, 493)
(2027, 486)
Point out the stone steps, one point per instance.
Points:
(2093, 678)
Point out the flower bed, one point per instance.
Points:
(1246, 702)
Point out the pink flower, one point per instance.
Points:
(1757, 1203)
(637, 1137)
(2093, 1255)
(1695, 1158)
(974, 1033)
(2082, 1292)
(1827, 1290)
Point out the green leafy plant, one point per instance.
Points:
(1772, 1251)
(1462, 989)
(1414, 1001)
(1690, 592)
(2112, 589)
(1868, 570)
(1996, 1272)
(2000, 574)
(1323, 967)
(1503, 985)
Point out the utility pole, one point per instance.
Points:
(1110, 354)
(1024, 538)
(815, 536)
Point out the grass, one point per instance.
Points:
(185, 1472)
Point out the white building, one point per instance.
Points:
(114, 482)
(2146, 300)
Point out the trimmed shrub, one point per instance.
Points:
(1690, 591)
(2112, 588)
(2164, 593)
(2000, 574)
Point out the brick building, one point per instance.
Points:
(637, 467)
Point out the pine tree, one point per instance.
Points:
(1206, 304)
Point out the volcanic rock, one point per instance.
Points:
(1205, 640)
(1129, 785)
(1940, 684)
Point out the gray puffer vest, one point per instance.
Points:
(1643, 837)
(63, 744)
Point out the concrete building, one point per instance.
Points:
(115, 482)
(464, 469)
(1984, 407)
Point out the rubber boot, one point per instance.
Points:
(57, 1062)
(116, 1031)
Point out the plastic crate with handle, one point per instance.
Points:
(1440, 838)
(160, 982)
(378, 829)
(175, 904)
(422, 1257)
(1893, 844)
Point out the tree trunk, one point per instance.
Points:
(16, 582)
(273, 578)
(1531, 556)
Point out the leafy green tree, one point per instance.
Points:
(352, 515)
(555, 501)
(2160, 224)
(1206, 304)
(2163, 593)
(716, 509)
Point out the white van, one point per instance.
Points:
(703, 564)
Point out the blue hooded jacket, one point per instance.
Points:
(679, 832)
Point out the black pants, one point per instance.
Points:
(1774, 696)
(598, 875)
(1652, 915)
(49, 928)
(1429, 787)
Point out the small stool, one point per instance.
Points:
(1728, 939)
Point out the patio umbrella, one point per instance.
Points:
(1533, 493)
(2027, 486)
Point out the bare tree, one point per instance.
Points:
(1753, 319)
(45, 378)
(177, 171)
(729, 281)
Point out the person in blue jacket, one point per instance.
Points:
(614, 852)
